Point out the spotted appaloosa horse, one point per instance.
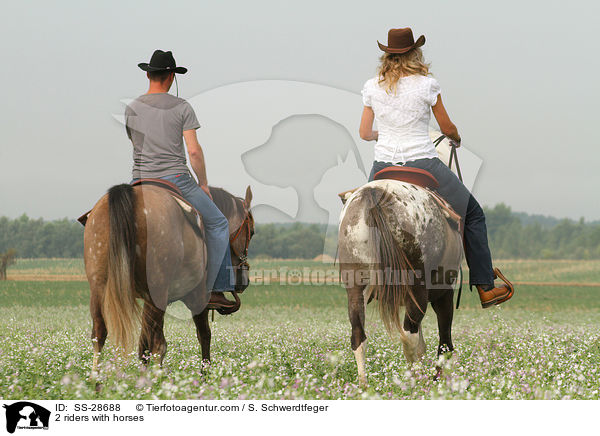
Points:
(396, 246)
(139, 245)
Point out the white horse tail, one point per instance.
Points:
(390, 261)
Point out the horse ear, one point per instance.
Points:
(248, 198)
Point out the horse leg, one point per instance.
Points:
(196, 301)
(444, 309)
(98, 329)
(413, 344)
(356, 313)
(152, 338)
(203, 333)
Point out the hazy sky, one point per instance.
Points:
(519, 78)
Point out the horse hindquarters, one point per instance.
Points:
(96, 268)
(109, 244)
(395, 285)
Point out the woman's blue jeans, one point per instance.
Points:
(477, 251)
(219, 272)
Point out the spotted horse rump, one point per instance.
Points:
(398, 245)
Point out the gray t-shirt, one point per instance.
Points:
(155, 124)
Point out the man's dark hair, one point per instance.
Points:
(159, 76)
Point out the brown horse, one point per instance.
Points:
(397, 246)
(139, 245)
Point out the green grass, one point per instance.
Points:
(516, 270)
(48, 266)
(531, 298)
(293, 342)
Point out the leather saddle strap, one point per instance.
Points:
(498, 274)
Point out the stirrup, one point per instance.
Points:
(230, 310)
(498, 275)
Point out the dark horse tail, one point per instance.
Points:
(119, 307)
(390, 287)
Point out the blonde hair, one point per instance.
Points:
(396, 65)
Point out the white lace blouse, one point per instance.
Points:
(403, 118)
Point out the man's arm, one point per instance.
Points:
(196, 158)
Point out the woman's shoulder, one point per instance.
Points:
(424, 79)
(373, 82)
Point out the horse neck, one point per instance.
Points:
(236, 218)
(232, 207)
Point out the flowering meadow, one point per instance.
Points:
(293, 342)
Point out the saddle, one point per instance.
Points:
(191, 214)
(416, 176)
(419, 177)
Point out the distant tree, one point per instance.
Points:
(7, 259)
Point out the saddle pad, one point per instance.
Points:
(416, 176)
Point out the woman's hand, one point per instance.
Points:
(454, 143)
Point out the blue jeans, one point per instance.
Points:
(477, 251)
(219, 272)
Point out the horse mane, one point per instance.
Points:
(223, 200)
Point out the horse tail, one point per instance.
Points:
(119, 307)
(390, 286)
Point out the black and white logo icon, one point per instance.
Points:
(26, 415)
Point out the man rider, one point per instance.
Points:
(157, 123)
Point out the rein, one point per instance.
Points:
(453, 156)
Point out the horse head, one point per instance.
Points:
(241, 229)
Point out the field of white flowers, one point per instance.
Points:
(293, 343)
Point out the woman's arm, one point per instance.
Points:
(366, 131)
(447, 127)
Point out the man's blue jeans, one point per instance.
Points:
(219, 274)
(477, 251)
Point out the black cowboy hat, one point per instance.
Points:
(162, 61)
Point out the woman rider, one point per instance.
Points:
(401, 98)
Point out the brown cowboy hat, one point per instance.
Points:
(401, 41)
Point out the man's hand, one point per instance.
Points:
(205, 189)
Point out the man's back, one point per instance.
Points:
(155, 124)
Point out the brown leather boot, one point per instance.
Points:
(218, 301)
(491, 295)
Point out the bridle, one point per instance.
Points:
(243, 256)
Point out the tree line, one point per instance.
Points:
(511, 235)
